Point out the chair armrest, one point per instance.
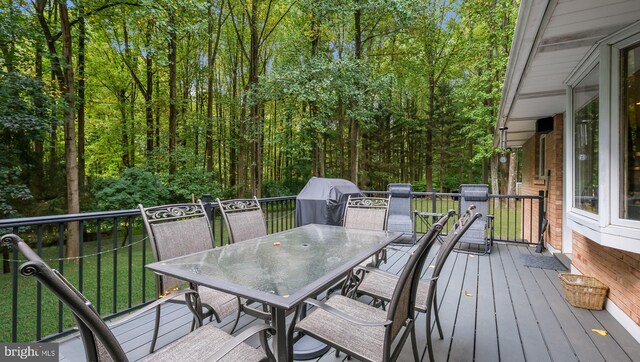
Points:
(379, 272)
(239, 339)
(345, 316)
(150, 306)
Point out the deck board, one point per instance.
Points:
(509, 342)
(512, 313)
(486, 338)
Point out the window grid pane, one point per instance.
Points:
(586, 119)
(630, 134)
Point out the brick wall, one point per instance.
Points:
(618, 269)
(531, 184)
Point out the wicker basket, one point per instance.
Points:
(583, 291)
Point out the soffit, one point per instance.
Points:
(552, 37)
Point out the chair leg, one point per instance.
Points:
(156, 328)
(429, 344)
(435, 311)
(235, 323)
(414, 343)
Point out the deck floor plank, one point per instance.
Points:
(509, 342)
(486, 338)
(448, 306)
(463, 339)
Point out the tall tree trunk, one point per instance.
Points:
(355, 126)
(513, 172)
(212, 51)
(428, 171)
(173, 98)
(494, 175)
(148, 99)
(254, 110)
(82, 35)
(71, 155)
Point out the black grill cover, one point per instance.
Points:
(322, 201)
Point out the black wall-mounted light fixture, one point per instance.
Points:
(503, 144)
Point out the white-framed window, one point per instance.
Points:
(602, 139)
(542, 156)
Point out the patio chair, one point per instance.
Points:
(378, 284)
(177, 230)
(481, 233)
(205, 343)
(400, 208)
(364, 331)
(369, 213)
(244, 219)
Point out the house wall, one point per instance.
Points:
(618, 269)
(531, 184)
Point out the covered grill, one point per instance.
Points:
(322, 201)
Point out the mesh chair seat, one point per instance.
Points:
(381, 285)
(336, 330)
(223, 304)
(201, 344)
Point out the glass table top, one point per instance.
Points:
(282, 268)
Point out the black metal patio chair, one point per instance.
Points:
(205, 343)
(177, 230)
(400, 208)
(366, 332)
(378, 284)
(481, 233)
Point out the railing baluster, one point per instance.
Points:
(81, 254)
(39, 289)
(14, 287)
(130, 255)
(99, 264)
(61, 269)
(115, 265)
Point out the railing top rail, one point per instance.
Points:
(59, 219)
(56, 219)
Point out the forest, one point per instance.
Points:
(108, 103)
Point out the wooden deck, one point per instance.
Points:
(493, 308)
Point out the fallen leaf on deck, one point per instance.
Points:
(601, 332)
(467, 294)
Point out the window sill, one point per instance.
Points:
(613, 236)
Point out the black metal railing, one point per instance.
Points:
(516, 217)
(114, 250)
(109, 269)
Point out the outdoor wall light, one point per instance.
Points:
(503, 138)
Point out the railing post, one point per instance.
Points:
(206, 201)
(540, 211)
(433, 201)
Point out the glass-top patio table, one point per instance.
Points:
(280, 270)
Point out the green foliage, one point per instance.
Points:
(134, 186)
(192, 183)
